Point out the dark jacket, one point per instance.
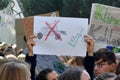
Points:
(32, 61)
(89, 64)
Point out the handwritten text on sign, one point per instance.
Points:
(105, 24)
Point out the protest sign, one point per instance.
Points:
(24, 27)
(7, 29)
(60, 36)
(105, 25)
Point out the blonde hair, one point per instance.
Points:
(76, 59)
(14, 71)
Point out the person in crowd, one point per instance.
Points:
(90, 47)
(21, 56)
(47, 74)
(106, 76)
(5, 46)
(89, 60)
(10, 56)
(101, 61)
(9, 50)
(75, 73)
(30, 57)
(65, 59)
(14, 70)
(105, 61)
(76, 61)
(5, 60)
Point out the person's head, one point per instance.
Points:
(21, 57)
(14, 71)
(105, 61)
(76, 61)
(106, 76)
(10, 56)
(9, 50)
(47, 74)
(75, 73)
(6, 60)
(64, 59)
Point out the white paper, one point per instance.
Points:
(66, 38)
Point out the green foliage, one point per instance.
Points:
(67, 8)
(26, 4)
(4, 3)
(76, 8)
(35, 7)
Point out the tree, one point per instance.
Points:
(4, 3)
(67, 8)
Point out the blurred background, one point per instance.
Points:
(67, 8)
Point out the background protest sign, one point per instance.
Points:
(60, 36)
(24, 27)
(105, 25)
(7, 29)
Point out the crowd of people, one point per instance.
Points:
(99, 65)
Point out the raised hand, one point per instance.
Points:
(90, 44)
(30, 44)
